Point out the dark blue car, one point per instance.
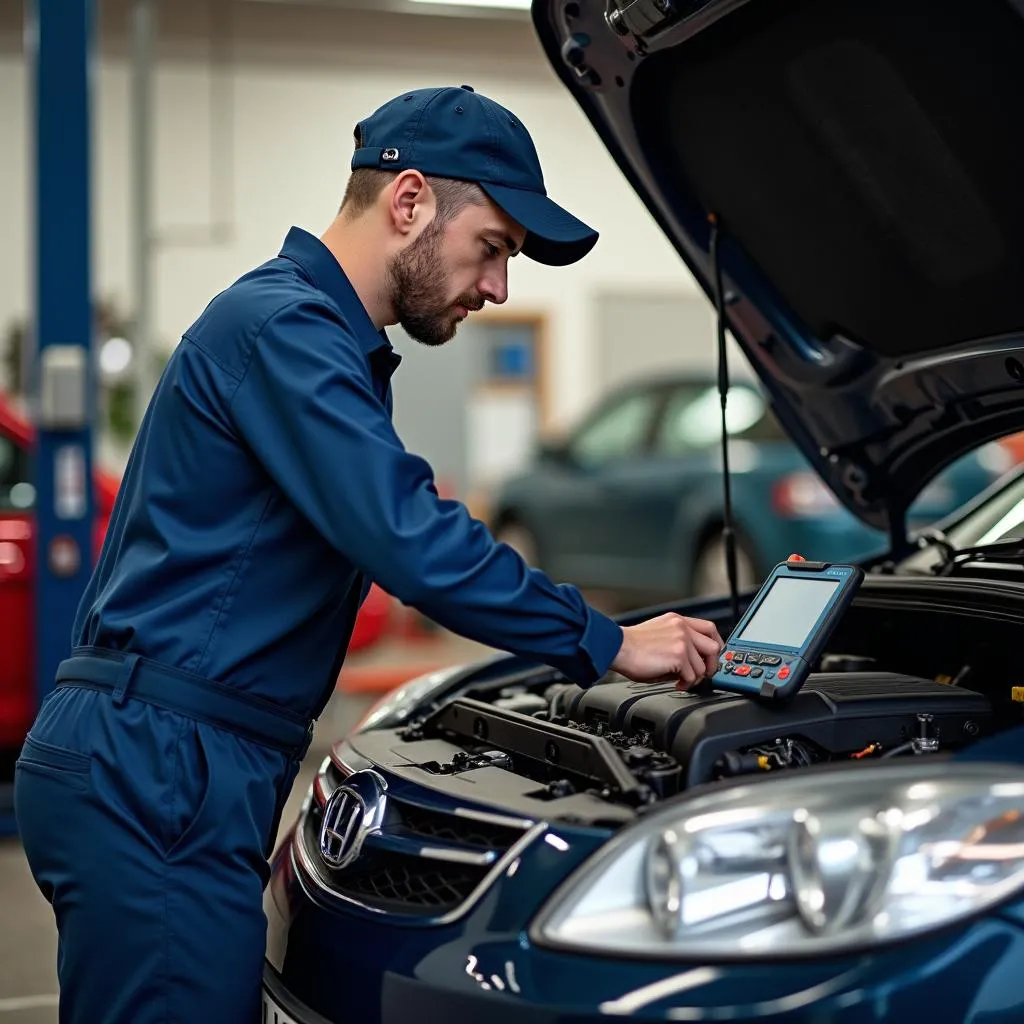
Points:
(496, 844)
(631, 504)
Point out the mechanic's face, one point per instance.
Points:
(449, 271)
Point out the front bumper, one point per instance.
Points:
(280, 1006)
(332, 965)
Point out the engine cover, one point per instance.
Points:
(839, 713)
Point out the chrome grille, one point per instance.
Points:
(430, 824)
(422, 862)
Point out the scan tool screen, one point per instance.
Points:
(789, 611)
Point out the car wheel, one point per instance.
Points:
(710, 577)
(520, 539)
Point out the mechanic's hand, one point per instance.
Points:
(670, 648)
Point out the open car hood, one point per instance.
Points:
(865, 163)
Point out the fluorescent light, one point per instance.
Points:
(514, 5)
(115, 357)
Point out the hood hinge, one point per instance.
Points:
(636, 20)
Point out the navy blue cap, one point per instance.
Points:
(455, 132)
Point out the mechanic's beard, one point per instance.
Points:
(416, 288)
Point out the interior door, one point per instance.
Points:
(17, 604)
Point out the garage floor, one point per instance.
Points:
(28, 938)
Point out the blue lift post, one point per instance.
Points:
(64, 325)
(59, 50)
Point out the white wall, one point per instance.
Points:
(300, 77)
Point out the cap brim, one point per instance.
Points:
(553, 235)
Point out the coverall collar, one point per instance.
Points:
(325, 272)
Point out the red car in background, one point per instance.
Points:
(17, 574)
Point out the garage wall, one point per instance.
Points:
(297, 79)
(432, 388)
(643, 333)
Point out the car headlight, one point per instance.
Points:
(799, 866)
(399, 705)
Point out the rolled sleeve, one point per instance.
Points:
(307, 408)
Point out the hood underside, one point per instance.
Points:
(863, 159)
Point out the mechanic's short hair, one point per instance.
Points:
(366, 184)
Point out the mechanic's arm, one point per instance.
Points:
(307, 408)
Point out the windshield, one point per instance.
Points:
(692, 419)
(994, 517)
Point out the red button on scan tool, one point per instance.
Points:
(744, 670)
(784, 672)
(728, 655)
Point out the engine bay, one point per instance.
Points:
(537, 742)
(836, 715)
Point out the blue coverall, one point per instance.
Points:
(266, 488)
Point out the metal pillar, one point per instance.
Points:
(144, 14)
(59, 48)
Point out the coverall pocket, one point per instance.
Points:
(190, 804)
(68, 766)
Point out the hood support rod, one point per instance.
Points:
(728, 533)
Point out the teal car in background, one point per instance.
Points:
(631, 503)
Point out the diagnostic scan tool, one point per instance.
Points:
(770, 652)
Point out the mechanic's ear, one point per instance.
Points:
(411, 202)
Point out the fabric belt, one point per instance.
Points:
(129, 675)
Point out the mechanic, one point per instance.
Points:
(265, 490)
